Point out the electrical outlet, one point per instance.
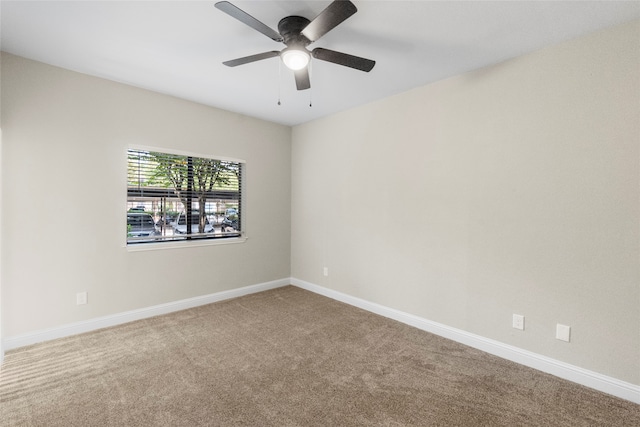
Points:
(81, 298)
(518, 322)
(563, 332)
(325, 271)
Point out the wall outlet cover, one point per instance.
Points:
(81, 298)
(563, 332)
(518, 321)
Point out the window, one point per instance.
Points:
(181, 197)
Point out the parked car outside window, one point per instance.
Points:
(181, 223)
(140, 225)
(230, 220)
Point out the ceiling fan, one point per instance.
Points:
(297, 32)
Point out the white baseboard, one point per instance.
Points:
(551, 366)
(10, 343)
(560, 369)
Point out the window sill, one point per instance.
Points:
(185, 244)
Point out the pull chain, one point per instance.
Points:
(279, 79)
(311, 88)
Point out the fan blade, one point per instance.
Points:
(302, 78)
(247, 19)
(252, 58)
(345, 59)
(334, 14)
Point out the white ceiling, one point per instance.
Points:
(177, 47)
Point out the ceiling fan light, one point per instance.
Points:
(295, 59)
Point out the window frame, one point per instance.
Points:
(181, 243)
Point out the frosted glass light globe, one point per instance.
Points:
(295, 59)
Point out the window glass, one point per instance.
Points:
(165, 192)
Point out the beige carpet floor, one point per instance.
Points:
(285, 357)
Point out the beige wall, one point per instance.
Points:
(512, 189)
(65, 137)
(1, 316)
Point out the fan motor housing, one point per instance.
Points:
(290, 29)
